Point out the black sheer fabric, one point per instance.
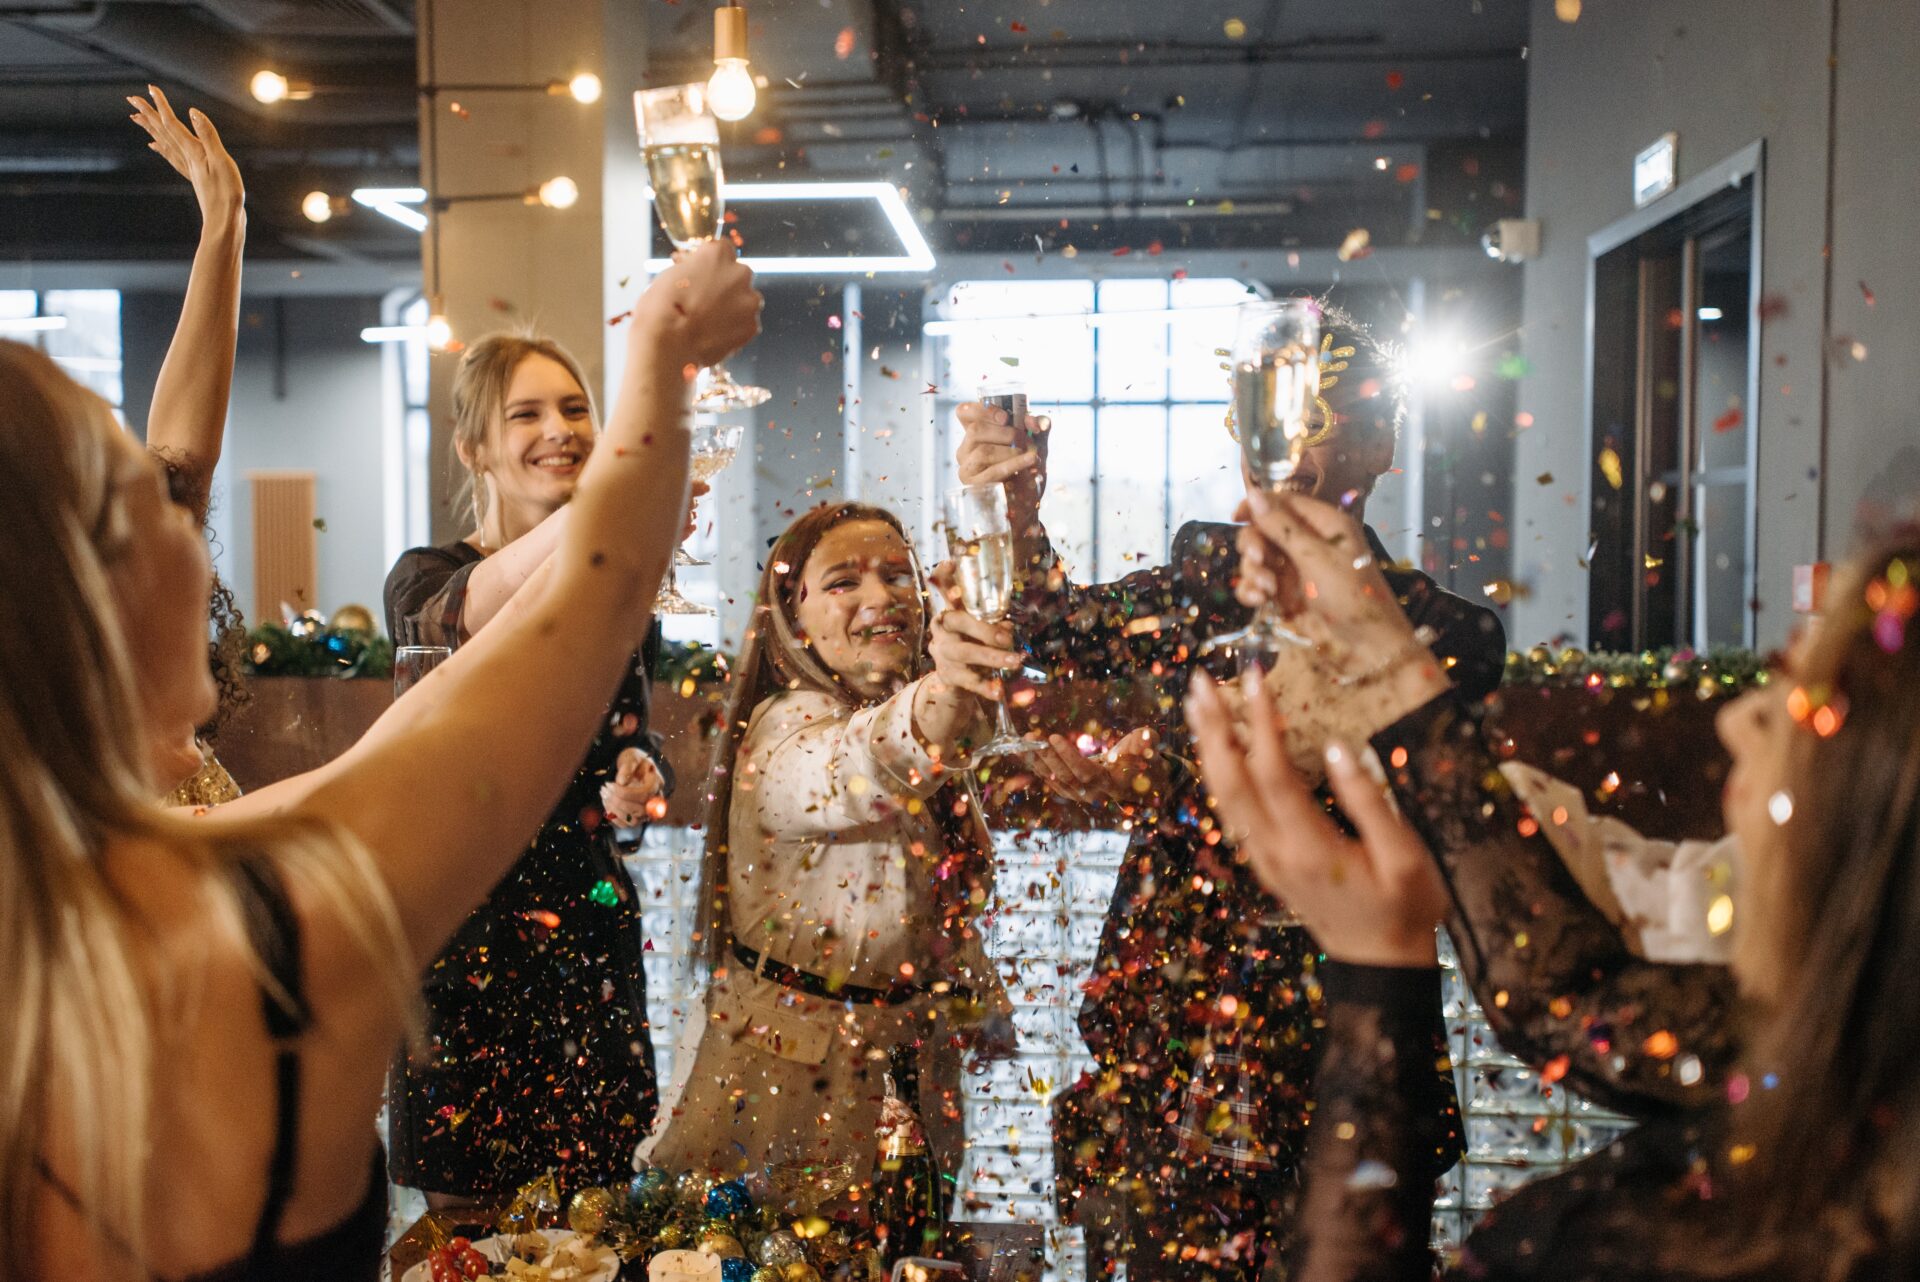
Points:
(1195, 1114)
(539, 1054)
(1561, 990)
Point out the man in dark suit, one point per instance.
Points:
(1201, 1012)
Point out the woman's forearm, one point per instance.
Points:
(948, 718)
(188, 418)
(493, 581)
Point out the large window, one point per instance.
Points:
(1135, 376)
(79, 328)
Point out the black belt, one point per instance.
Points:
(899, 994)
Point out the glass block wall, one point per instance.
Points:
(1054, 890)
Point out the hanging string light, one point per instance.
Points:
(730, 90)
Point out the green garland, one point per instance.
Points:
(684, 665)
(317, 651)
(1721, 670)
(321, 651)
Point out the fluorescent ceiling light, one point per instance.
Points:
(1091, 320)
(1712, 314)
(393, 333)
(395, 203)
(91, 364)
(917, 258)
(31, 324)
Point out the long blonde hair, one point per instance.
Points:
(775, 657)
(79, 970)
(479, 395)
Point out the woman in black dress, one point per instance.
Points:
(537, 1055)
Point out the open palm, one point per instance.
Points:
(196, 154)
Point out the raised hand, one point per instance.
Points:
(994, 450)
(1374, 901)
(706, 302)
(196, 154)
(969, 653)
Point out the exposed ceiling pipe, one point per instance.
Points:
(173, 49)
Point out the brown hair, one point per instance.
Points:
(1828, 1187)
(774, 657)
(479, 393)
(78, 1040)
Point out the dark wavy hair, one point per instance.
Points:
(1829, 1187)
(227, 629)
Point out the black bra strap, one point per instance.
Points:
(275, 934)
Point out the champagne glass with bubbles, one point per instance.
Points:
(680, 138)
(980, 541)
(714, 445)
(1276, 375)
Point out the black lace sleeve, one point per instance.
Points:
(1559, 986)
(1378, 1120)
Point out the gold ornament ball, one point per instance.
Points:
(589, 1211)
(354, 618)
(719, 1242)
(768, 1273)
(801, 1273)
(1539, 656)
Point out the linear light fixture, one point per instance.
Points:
(1091, 320)
(31, 324)
(393, 333)
(918, 255)
(396, 203)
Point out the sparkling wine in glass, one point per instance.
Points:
(680, 139)
(980, 540)
(714, 445)
(1276, 375)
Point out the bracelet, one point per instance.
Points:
(1423, 637)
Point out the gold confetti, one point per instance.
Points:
(1610, 467)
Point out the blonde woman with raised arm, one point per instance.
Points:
(199, 1012)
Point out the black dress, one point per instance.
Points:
(538, 1053)
(1194, 1119)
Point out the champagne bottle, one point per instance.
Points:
(909, 1197)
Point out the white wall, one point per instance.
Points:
(321, 408)
(1722, 73)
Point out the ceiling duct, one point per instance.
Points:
(294, 18)
(172, 45)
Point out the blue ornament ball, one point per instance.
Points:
(736, 1270)
(729, 1199)
(651, 1189)
(337, 644)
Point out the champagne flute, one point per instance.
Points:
(680, 138)
(980, 540)
(411, 663)
(1276, 375)
(714, 445)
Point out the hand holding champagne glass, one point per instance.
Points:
(980, 541)
(680, 138)
(1276, 375)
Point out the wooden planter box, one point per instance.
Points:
(1667, 765)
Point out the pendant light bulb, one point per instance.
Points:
(439, 329)
(730, 91)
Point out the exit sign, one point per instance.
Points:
(1654, 170)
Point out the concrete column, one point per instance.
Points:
(501, 263)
